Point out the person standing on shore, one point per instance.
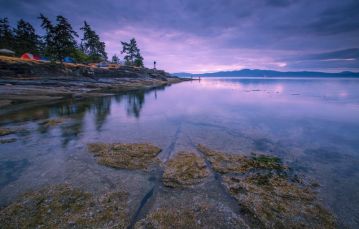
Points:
(154, 64)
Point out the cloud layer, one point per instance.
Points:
(212, 35)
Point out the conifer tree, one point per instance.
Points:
(59, 39)
(132, 53)
(48, 45)
(64, 38)
(6, 34)
(92, 45)
(26, 39)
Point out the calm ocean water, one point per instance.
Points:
(313, 124)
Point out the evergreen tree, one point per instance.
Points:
(65, 42)
(48, 45)
(26, 39)
(92, 45)
(132, 53)
(138, 59)
(59, 39)
(6, 34)
(80, 56)
(115, 59)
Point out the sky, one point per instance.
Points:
(200, 36)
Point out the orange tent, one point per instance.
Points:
(29, 56)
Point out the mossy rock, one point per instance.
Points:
(274, 202)
(268, 195)
(184, 169)
(199, 215)
(233, 163)
(7, 140)
(6, 131)
(63, 206)
(125, 156)
(51, 122)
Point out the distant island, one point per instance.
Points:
(267, 73)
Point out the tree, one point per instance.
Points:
(80, 56)
(138, 60)
(59, 39)
(65, 42)
(132, 53)
(92, 45)
(6, 34)
(26, 39)
(115, 59)
(48, 43)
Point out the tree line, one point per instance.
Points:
(60, 40)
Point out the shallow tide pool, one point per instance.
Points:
(311, 123)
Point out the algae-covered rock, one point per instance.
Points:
(62, 207)
(200, 215)
(125, 156)
(274, 202)
(51, 122)
(7, 140)
(168, 218)
(6, 131)
(267, 193)
(184, 169)
(227, 163)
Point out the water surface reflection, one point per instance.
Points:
(311, 123)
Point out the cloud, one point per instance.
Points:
(201, 35)
(338, 19)
(346, 54)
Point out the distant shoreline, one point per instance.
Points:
(270, 73)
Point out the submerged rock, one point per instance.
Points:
(6, 131)
(226, 163)
(184, 169)
(125, 156)
(274, 202)
(7, 140)
(268, 195)
(62, 206)
(52, 122)
(199, 215)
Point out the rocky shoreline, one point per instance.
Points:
(24, 83)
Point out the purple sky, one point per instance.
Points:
(215, 35)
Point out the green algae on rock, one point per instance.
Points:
(7, 140)
(199, 215)
(51, 122)
(227, 163)
(275, 202)
(268, 195)
(6, 131)
(125, 156)
(184, 169)
(62, 206)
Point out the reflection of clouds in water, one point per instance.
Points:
(279, 88)
(242, 84)
(233, 115)
(220, 84)
(343, 94)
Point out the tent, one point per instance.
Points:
(7, 52)
(29, 56)
(68, 60)
(44, 59)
